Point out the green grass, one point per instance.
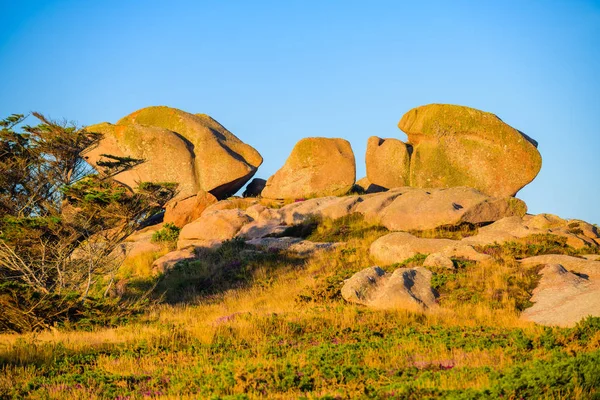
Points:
(313, 357)
(239, 324)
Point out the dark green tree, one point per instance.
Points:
(60, 221)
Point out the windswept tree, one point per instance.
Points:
(60, 221)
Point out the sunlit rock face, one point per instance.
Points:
(450, 145)
(192, 150)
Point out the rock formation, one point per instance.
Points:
(182, 212)
(397, 247)
(316, 167)
(388, 162)
(255, 187)
(420, 209)
(450, 146)
(405, 288)
(192, 150)
(212, 227)
(563, 298)
(461, 146)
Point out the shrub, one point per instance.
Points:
(60, 221)
(169, 233)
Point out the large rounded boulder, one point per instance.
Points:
(388, 162)
(317, 167)
(192, 150)
(461, 146)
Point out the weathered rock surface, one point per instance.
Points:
(579, 234)
(576, 264)
(296, 245)
(182, 212)
(169, 260)
(504, 230)
(260, 229)
(218, 225)
(397, 247)
(405, 288)
(194, 151)
(316, 167)
(461, 146)
(429, 209)
(254, 188)
(438, 260)
(563, 298)
(388, 162)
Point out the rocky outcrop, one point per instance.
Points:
(316, 167)
(564, 298)
(182, 212)
(580, 265)
(388, 162)
(578, 234)
(397, 247)
(296, 245)
(427, 209)
(461, 146)
(405, 288)
(213, 226)
(192, 150)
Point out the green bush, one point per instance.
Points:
(169, 233)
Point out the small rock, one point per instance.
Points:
(254, 188)
(168, 261)
(405, 288)
(438, 260)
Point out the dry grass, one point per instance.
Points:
(254, 332)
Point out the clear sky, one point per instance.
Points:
(273, 72)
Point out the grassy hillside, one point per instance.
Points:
(241, 324)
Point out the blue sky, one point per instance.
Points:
(274, 72)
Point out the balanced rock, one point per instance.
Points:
(192, 150)
(316, 167)
(461, 146)
(388, 162)
(405, 288)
